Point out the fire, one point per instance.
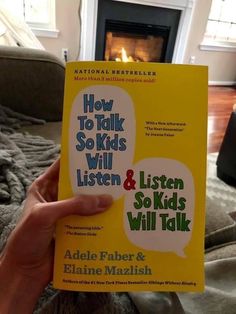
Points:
(124, 57)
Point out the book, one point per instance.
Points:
(136, 131)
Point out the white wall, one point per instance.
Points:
(67, 22)
(222, 65)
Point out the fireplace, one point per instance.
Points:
(125, 41)
(134, 32)
(92, 48)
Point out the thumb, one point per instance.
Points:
(84, 205)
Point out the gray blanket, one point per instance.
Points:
(23, 157)
(220, 257)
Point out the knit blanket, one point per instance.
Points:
(220, 258)
(24, 157)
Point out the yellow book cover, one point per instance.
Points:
(137, 131)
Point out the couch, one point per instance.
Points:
(31, 83)
(226, 161)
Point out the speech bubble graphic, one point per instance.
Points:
(102, 132)
(158, 213)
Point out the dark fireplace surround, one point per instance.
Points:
(148, 33)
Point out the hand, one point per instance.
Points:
(27, 260)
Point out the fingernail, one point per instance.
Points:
(104, 200)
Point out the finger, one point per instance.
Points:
(84, 205)
(45, 187)
(52, 173)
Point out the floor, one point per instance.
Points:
(220, 105)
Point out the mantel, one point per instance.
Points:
(89, 24)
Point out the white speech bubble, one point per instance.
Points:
(109, 141)
(160, 183)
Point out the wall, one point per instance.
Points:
(222, 65)
(67, 22)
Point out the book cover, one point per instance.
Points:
(137, 131)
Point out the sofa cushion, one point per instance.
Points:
(32, 82)
(220, 227)
(49, 130)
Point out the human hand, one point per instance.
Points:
(27, 260)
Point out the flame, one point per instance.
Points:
(124, 57)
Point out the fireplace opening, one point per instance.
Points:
(135, 32)
(125, 41)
